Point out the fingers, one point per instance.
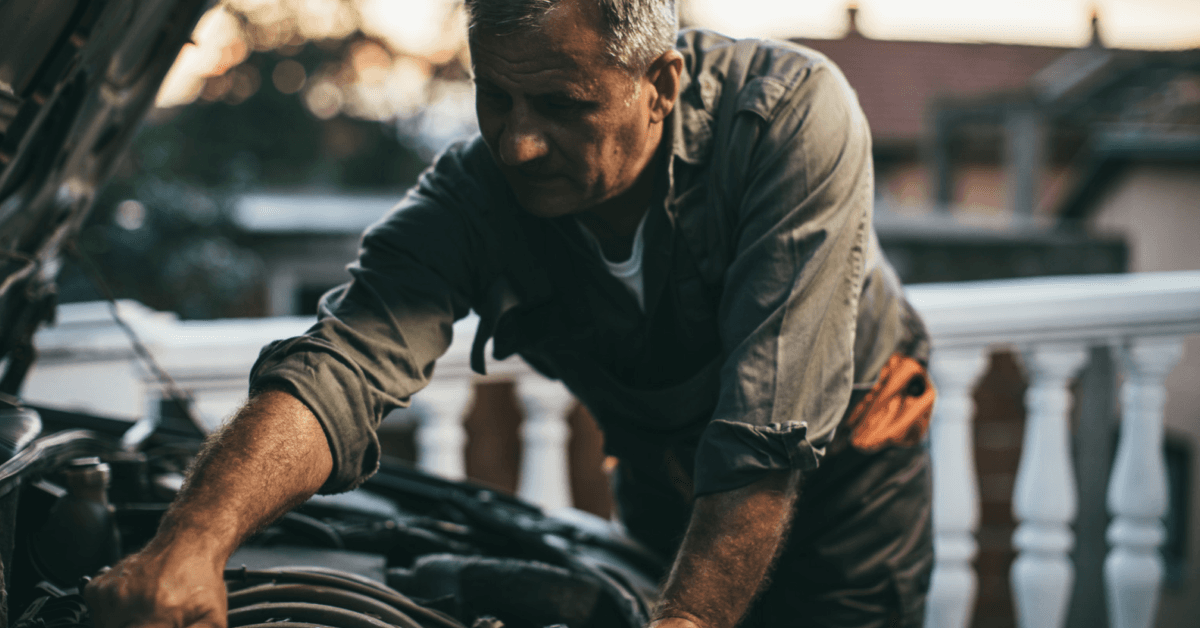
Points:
(211, 621)
(111, 601)
(145, 592)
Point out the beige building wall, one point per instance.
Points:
(1156, 208)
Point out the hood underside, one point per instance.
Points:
(76, 78)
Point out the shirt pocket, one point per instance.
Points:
(761, 96)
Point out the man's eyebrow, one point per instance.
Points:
(563, 95)
(554, 94)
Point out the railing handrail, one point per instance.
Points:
(1015, 311)
(1084, 307)
(960, 313)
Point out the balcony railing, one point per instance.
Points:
(1051, 322)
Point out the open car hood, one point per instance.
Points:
(76, 78)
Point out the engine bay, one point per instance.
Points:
(405, 549)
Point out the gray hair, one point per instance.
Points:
(637, 31)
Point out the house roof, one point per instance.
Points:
(898, 81)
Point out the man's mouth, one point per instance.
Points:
(538, 179)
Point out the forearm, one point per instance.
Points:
(272, 456)
(730, 545)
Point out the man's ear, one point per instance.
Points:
(663, 75)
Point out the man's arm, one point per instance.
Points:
(272, 456)
(801, 167)
(727, 552)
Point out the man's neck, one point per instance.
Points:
(615, 221)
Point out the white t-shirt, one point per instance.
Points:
(628, 272)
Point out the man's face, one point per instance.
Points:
(568, 128)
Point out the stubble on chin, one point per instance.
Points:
(545, 207)
(546, 203)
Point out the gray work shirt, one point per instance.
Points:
(767, 300)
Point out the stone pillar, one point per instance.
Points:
(545, 476)
(1137, 491)
(1044, 498)
(441, 438)
(955, 488)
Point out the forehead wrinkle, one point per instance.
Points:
(543, 70)
(512, 59)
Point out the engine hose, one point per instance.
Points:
(632, 607)
(346, 575)
(313, 528)
(319, 614)
(340, 580)
(317, 594)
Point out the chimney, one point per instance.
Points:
(1096, 42)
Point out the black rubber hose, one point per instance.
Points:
(635, 611)
(338, 580)
(346, 575)
(304, 613)
(313, 528)
(317, 594)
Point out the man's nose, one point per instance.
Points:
(522, 141)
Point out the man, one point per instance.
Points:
(682, 236)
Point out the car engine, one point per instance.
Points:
(406, 549)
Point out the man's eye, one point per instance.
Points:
(492, 96)
(565, 106)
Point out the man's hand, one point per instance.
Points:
(172, 584)
(730, 544)
(272, 456)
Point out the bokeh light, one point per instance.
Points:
(130, 215)
(396, 48)
(288, 76)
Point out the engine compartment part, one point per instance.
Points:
(80, 533)
(405, 550)
(76, 77)
(56, 610)
(18, 428)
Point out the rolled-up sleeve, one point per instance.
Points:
(377, 337)
(789, 307)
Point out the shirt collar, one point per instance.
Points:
(691, 122)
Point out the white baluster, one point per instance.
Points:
(955, 492)
(441, 437)
(1137, 491)
(1044, 498)
(545, 475)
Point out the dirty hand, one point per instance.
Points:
(172, 586)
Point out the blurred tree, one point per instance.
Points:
(163, 231)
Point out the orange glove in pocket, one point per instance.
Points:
(896, 411)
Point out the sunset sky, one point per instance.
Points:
(1157, 24)
(390, 76)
